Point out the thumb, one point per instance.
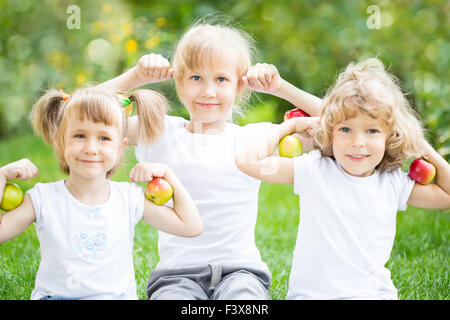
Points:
(170, 73)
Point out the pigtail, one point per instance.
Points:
(46, 114)
(151, 107)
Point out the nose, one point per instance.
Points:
(209, 90)
(358, 140)
(90, 146)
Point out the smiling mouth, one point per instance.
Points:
(89, 161)
(357, 157)
(207, 105)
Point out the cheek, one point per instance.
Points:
(337, 143)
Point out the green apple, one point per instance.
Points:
(290, 147)
(159, 191)
(12, 197)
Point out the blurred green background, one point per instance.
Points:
(308, 41)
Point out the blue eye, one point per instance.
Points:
(196, 78)
(221, 79)
(79, 136)
(373, 131)
(344, 129)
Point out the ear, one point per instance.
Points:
(124, 143)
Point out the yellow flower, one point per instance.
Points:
(160, 22)
(57, 59)
(127, 28)
(152, 42)
(131, 45)
(98, 26)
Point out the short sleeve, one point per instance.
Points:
(152, 153)
(253, 131)
(137, 198)
(38, 197)
(403, 185)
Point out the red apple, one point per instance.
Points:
(290, 147)
(295, 113)
(159, 191)
(12, 197)
(422, 171)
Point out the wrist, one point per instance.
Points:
(282, 90)
(135, 79)
(3, 178)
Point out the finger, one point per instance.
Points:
(170, 73)
(244, 80)
(270, 74)
(132, 175)
(262, 78)
(158, 173)
(161, 68)
(165, 68)
(251, 78)
(27, 174)
(152, 65)
(144, 64)
(143, 176)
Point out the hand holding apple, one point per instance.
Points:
(22, 169)
(422, 171)
(12, 197)
(159, 191)
(290, 147)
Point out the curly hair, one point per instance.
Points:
(368, 88)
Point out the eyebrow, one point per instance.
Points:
(80, 130)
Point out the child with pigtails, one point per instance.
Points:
(212, 69)
(85, 223)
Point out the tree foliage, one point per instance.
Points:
(310, 42)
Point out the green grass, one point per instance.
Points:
(419, 261)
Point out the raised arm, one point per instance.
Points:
(150, 68)
(257, 160)
(434, 195)
(181, 220)
(265, 78)
(14, 222)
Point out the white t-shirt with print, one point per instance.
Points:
(226, 198)
(86, 251)
(346, 230)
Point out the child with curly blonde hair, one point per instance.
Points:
(352, 187)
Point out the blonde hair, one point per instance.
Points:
(368, 88)
(207, 43)
(51, 115)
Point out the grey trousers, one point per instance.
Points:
(211, 282)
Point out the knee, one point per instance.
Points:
(242, 287)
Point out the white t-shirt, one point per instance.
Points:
(226, 198)
(346, 230)
(86, 251)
